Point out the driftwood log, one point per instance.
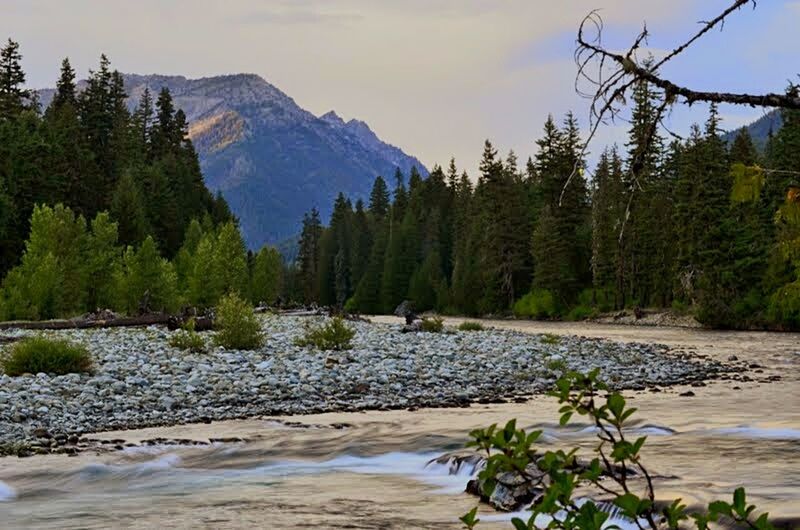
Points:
(143, 320)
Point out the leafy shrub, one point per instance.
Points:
(561, 475)
(680, 307)
(39, 354)
(539, 303)
(471, 326)
(432, 325)
(581, 312)
(784, 305)
(237, 326)
(334, 335)
(550, 338)
(601, 299)
(188, 339)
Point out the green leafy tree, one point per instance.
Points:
(101, 261)
(266, 281)
(50, 280)
(203, 287)
(145, 281)
(230, 261)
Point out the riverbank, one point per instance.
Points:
(140, 381)
(367, 469)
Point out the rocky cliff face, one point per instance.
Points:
(272, 159)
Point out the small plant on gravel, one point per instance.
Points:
(40, 354)
(550, 338)
(557, 365)
(616, 471)
(471, 326)
(432, 325)
(188, 339)
(237, 326)
(334, 335)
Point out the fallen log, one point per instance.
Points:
(81, 323)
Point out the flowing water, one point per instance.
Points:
(370, 470)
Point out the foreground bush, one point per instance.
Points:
(560, 476)
(432, 325)
(470, 326)
(39, 354)
(238, 327)
(335, 335)
(188, 339)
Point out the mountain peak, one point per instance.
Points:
(332, 118)
(272, 159)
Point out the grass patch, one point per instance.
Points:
(550, 338)
(238, 327)
(188, 339)
(557, 365)
(39, 354)
(432, 324)
(334, 335)
(471, 326)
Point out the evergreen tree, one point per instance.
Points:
(127, 209)
(564, 221)
(13, 97)
(308, 256)
(743, 150)
(367, 298)
(608, 209)
(646, 234)
(379, 199)
(65, 88)
(362, 244)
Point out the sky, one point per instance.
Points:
(434, 77)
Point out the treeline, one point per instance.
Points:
(69, 268)
(158, 239)
(693, 225)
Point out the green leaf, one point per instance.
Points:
(519, 524)
(629, 503)
(627, 414)
(722, 507)
(739, 500)
(509, 429)
(565, 418)
(616, 404)
(637, 445)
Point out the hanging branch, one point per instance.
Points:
(610, 76)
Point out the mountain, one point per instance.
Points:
(760, 129)
(272, 160)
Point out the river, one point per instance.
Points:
(368, 470)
